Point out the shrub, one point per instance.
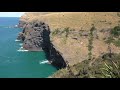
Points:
(55, 32)
(90, 45)
(117, 43)
(111, 71)
(67, 30)
(116, 31)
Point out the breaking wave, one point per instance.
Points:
(20, 44)
(44, 62)
(22, 50)
(17, 40)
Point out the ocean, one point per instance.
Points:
(18, 63)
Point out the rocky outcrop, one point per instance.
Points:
(35, 37)
(21, 36)
(22, 23)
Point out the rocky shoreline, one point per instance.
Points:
(35, 37)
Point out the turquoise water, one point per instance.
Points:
(19, 64)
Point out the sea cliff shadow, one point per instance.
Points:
(54, 56)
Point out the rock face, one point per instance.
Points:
(35, 37)
(22, 23)
(55, 57)
(21, 36)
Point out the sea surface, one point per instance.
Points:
(16, 62)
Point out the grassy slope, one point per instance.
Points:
(76, 20)
(75, 51)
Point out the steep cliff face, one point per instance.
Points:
(35, 37)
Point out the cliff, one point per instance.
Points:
(74, 37)
(35, 37)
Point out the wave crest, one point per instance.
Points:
(20, 44)
(22, 50)
(44, 62)
(17, 40)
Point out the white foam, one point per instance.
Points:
(21, 47)
(20, 44)
(44, 62)
(22, 50)
(17, 40)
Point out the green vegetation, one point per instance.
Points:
(117, 43)
(102, 67)
(90, 40)
(67, 30)
(64, 33)
(55, 32)
(60, 32)
(111, 71)
(115, 31)
(114, 36)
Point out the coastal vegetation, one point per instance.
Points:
(114, 36)
(101, 68)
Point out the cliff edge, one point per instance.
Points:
(72, 37)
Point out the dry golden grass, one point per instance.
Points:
(76, 20)
(72, 50)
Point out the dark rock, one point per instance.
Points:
(75, 38)
(35, 37)
(21, 36)
(55, 57)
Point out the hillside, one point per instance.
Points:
(80, 36)
(76, 20)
